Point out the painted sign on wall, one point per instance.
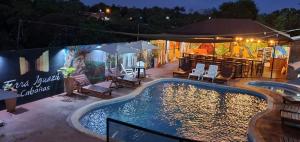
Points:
(33, 73)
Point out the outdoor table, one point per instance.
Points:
(139, 70)
(238, 68)
(10, 99)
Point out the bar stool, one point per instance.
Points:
(219, 62)
(259, 68)
(193, 62)
(208, 62)
(181, 60)
(185, 64)
(239, 67)
(246, 66)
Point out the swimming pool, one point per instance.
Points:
(281, 88)
(186, 109)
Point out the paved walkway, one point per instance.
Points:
(46, 120)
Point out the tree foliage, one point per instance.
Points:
(59, 22)
(284, 19)
(239, 9)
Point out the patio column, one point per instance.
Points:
(214, 52)
(116, 62)
(124, 60)
(167, 51)
(182, 48)
(273, 60)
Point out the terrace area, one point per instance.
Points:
(48, 119)
(147, 72)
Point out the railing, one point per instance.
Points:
(118, 131)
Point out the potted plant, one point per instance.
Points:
(12, 102)
(8, 87)
(68, 82)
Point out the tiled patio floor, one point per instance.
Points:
(46, 120)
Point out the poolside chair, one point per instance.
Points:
(211, 73)
(198, 71)
(128, 72)
(290, 115)
(83, 85)
(127, 81)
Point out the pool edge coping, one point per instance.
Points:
(276, 103)
(74, 119)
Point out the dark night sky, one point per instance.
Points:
(265, 6)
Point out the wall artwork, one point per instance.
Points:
(88, 60)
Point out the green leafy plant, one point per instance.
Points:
(8, 87)
(67, 71)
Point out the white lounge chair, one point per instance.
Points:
(211, 73)
(198, 71)
(127, 72)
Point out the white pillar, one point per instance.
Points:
(167, 51)
(182, 48)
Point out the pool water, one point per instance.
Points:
(280, 88)
(185, 110)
